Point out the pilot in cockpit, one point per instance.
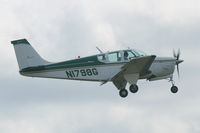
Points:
(125, 55)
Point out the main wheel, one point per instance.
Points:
(133, 88)
(123, 93)
(174, 89)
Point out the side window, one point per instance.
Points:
(128, 55)
(101, 58)
(114, 57)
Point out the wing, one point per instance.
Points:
(131, 71)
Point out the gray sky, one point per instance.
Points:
(64, 29)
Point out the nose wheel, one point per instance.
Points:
(174, 89)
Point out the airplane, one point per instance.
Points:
(119, 67)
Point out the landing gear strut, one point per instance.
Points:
(174, 89)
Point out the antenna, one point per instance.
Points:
(99, 50)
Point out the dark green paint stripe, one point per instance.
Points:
(24, 41)
(82, 62)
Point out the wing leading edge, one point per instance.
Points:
(131, 71)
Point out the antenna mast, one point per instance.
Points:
(99, 50)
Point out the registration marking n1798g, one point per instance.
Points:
(81, 72)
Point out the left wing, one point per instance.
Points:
(131, 71)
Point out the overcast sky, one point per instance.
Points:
(64, 29)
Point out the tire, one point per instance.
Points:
(174, 89)
(133, 88)
(123, 93)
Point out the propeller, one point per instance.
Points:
(177, 56)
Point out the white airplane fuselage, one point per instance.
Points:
(161, 68)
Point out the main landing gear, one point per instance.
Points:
(174, 89)
(124, 93)
(133, 88)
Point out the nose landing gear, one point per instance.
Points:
(174, 89)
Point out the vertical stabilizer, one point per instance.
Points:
(26, 55)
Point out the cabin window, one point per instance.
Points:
(114, 57)
(101, 58)
(129, 55)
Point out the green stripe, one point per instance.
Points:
(82, 62)
(24, 41)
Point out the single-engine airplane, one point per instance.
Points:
(120, 67)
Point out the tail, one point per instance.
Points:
(26, 55)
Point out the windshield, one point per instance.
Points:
(141, 53)
(128, 55)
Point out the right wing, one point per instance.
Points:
(131, 71)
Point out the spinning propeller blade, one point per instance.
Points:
(177, 56)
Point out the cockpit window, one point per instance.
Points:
(101, 58)
(129, 55)
(141, 53)
(114, 57)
